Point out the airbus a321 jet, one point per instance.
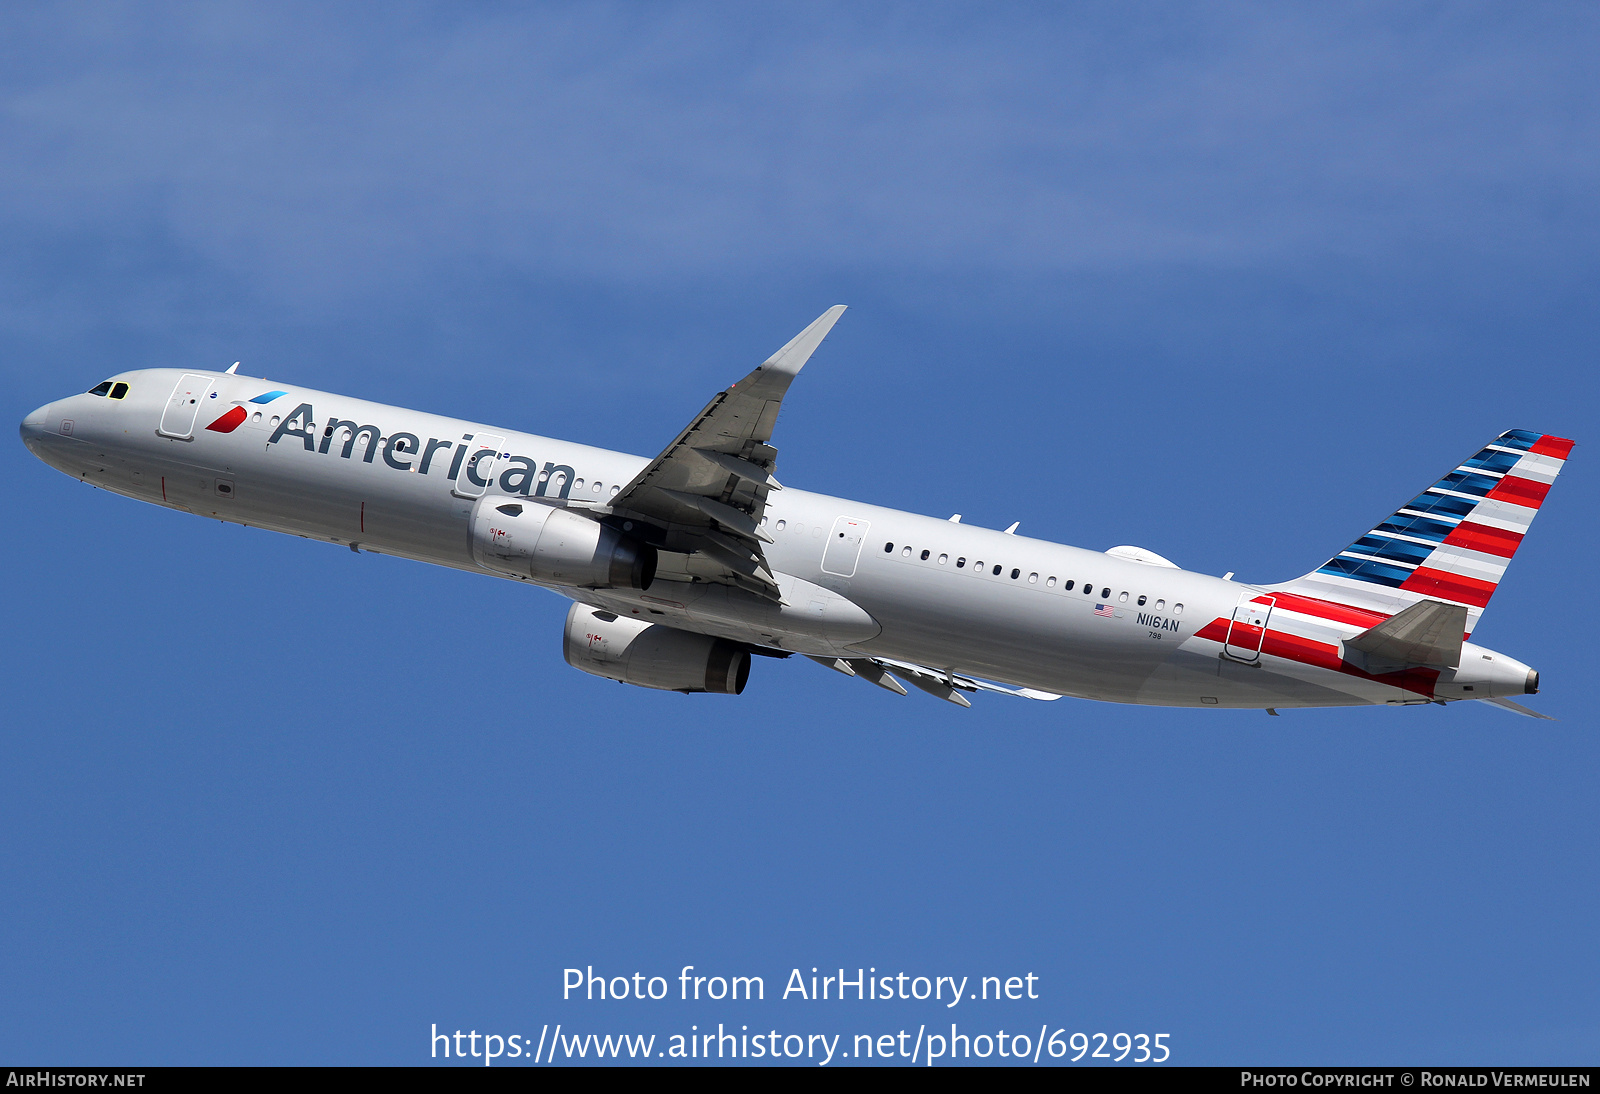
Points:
(682, 566)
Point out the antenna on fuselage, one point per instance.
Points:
(231, 369)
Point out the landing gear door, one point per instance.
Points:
(843, 551)
(177, 420)
(1248, 628)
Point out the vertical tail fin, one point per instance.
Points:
(1453, 541)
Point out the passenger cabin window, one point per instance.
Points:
(1123, 598)
(1033, 579)
(1105, 594)
(1050, 583)
(1015, 573)
(1161, 605)
(1088, 590)
(887, 547)
(925, 554)
(997, 569)
(905, 552)
(960, 562)
(943, 559)
(101, 389)
(1141, 602)
(119, 391)
(1177, 609)
(1067, 588)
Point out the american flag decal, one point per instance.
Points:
(1104, 609)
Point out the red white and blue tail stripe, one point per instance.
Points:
(1453, 541)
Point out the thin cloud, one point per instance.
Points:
(314, 153)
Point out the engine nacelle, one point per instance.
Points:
(556, 546)
(652, 656)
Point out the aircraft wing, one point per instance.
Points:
(943, 685)
(708, 490)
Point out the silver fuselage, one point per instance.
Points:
(1013, 619)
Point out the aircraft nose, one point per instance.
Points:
(33, 425)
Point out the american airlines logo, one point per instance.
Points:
(409, 452)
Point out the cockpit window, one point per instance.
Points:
(101, 389)
(119, 390)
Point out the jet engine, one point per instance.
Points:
(556, 546)
(652, 656)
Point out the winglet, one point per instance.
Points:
(789, 360)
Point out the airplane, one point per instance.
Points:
(682, 567)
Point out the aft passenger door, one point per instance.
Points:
(1248, 628)
(843, 551)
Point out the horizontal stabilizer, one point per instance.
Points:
(1427, 635)
(1517, 708)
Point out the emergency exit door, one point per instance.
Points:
(477, 472)
(843, 551)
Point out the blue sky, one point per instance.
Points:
(1225, 281)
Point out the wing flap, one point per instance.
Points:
(944, 685)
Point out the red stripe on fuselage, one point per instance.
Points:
(1308, 651)
(1481, 537)
(1327, 609)
(1520, 491)
(1446, 586)
(1552, 446)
